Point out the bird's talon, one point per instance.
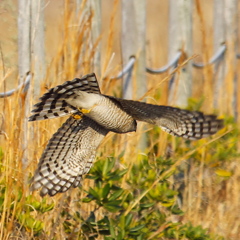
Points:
(76, 116)
(84, 110)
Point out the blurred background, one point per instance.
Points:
(181, 53)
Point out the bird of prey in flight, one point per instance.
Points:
(71, 151)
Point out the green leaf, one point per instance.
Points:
(137, 228)
(116, 194)
(94, 193)
(122, 172)
(32, 204)
(105, 168)
(128, 219)
(223, 173)
(112, 228)
(113, 206)
(30, 223)
(86, 200)
(167, 203)
(147, 205)
(176, 210)
(105, 191)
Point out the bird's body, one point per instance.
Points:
(103, 110)
(71, 151)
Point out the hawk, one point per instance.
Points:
(71, 151)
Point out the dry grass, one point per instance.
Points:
(208, 199)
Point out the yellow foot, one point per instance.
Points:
(83, 110)
(76, 116)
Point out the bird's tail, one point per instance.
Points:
(52, 104)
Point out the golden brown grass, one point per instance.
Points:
(208, 199)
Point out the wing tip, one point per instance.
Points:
(48, 188)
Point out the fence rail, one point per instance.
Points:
(24, 86)
(218, 56)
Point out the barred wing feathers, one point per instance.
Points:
(53, 102)
(69, 155)
(178, 122)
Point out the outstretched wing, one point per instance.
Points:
(178, 122)
(68, 155)
(53, 102)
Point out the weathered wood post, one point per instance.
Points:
(37, 45)
(24, 62)
(31, 57)
(180, 38)
(95, 5)
(133, 44)
(24, 38)
(225, 32)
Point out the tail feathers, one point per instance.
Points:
(52, 104)
(88, 83)
(53, 107)
(52, 113)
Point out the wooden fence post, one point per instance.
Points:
(180, 37)
(24, 50)
(31, 56)
(24, 61)
(38, 44)
(230, 15)
(95, 5)
(225, 31)
(133, 44)
(219, 38)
